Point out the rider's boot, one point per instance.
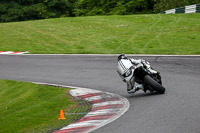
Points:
(131, 91)
(136, 88)
(139, 87)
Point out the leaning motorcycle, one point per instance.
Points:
(151, 81)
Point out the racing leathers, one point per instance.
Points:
(126, 68)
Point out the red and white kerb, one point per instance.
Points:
(106, 107)
(12, 53)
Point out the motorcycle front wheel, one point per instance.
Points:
(153, 84)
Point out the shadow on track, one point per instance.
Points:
(139, 95)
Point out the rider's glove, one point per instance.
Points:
(145, 64)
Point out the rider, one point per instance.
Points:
(126, 67)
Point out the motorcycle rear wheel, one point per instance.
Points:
(154, 85)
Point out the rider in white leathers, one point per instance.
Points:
(126, 67)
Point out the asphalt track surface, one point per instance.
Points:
(177, 111)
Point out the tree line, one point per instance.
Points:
(21, 10)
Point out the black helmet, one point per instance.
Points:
(122, 56)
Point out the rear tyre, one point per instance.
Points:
(154, 85)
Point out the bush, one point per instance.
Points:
(113, 7)
(20, 10)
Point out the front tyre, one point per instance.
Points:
(154, 85)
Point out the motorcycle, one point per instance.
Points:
(151, 81)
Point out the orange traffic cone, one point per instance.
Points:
(61, 115)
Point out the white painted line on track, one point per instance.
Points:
(115, 55)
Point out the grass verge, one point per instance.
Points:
(131, 34)
(27, 107)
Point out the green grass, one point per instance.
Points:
(131, 34)
(27, 107)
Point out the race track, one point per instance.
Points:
(177, 111)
